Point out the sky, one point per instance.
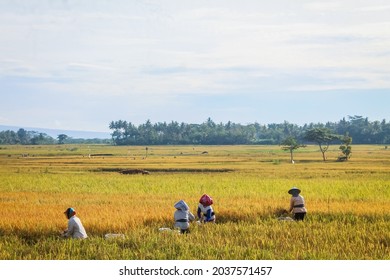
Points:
(80, 64)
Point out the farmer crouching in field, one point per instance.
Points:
(205, 211)
(297, 204)
(75, 227)
(183, 216)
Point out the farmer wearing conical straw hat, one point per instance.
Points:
(297, 204)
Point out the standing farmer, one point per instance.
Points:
(75, 227)
(297, 204)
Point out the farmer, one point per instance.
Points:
(297, 204)
(205, 211)
(75, 227)
(183, 216)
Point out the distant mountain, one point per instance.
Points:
(76, 134)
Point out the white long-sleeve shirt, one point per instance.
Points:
(75, 229)
(182, 218)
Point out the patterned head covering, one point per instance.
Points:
(181, 205)
(69, 212)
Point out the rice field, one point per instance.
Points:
(348, 202)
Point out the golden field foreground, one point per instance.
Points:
(348, 202)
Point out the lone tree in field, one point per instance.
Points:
(345, 147)
(291, 144)
(323, 137)
(61, 138)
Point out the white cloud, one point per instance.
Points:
(4, 120)
(79, 66)
(376, 8)
(323, 6)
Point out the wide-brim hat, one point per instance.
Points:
(294, 190)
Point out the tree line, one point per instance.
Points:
(25, 137)
(359, 128)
